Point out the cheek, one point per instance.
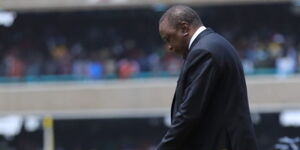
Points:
(179, 43)
(176, 42)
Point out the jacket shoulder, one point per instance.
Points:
(222, 51)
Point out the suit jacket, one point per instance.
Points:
(210, 107)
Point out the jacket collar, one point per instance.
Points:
(198, 31)
(202, 34)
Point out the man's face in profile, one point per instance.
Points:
(173, 38)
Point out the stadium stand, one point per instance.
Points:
(82, 43)
(108, 43)
(58, 5)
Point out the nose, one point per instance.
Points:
(169, 47)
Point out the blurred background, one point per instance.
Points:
(94, 75)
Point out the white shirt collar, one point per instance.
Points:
(199, 30)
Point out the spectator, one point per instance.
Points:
(117, 49)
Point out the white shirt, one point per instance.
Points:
(199, 30)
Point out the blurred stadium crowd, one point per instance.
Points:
(91, 45)
(126, 43)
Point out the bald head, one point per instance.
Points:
(177, 26)
(179, 13)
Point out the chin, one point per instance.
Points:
(177, 52)
(181, 53)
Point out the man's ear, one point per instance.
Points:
(185, 28)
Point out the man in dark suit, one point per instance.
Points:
(210, 107)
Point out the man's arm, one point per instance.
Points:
(201, 82)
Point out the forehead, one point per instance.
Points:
(165, 27)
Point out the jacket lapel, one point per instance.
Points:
(177, 98)
(177, 92)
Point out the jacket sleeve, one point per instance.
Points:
(201, 78)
